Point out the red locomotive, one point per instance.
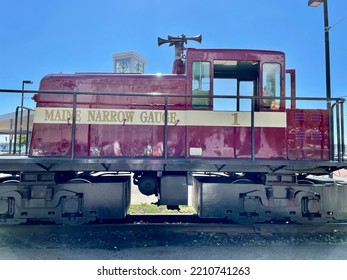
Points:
(221, 122)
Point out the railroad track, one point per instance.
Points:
(185, 223)
(188, 223)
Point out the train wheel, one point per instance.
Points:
(242, 181)
(79, 180)
(11, 181)
(305, 182)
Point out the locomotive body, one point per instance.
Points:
(221, 123)
(132, 126)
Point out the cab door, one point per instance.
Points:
(270, 125)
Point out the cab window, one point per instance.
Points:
(233, 82)
(201, 84)
(271, 85)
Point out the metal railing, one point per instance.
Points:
(336, 107)
(22, 109)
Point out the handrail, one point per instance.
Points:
(339, 130)
(156, 94)
(73, 128)
(27, 129)
(337, 106)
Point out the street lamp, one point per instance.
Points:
(23, 83)
(316, 3)
(21, 112)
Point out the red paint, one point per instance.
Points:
(308, 134)
(305, 136)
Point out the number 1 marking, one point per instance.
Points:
(236, 119)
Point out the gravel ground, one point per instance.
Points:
(102, 243)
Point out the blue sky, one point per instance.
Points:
(39, 37)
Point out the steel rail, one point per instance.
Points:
(186, 224)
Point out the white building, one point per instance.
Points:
(129, 62)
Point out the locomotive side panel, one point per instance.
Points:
(51, 140)
(235, 142)
(108, 125)
(308, 134)
(229, 135)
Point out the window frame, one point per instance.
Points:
(201, 103)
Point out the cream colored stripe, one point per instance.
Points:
(156, 117)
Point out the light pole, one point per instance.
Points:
(316, 3)
(21, 113)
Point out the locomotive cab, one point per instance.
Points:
(245, 88)
(234, 77)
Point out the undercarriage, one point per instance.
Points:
(82, 197)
